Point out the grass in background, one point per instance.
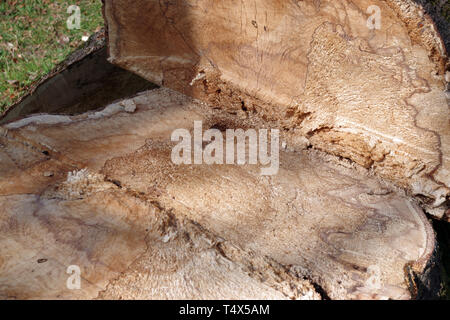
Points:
(34, 37)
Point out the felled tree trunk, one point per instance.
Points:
(364, 122)
(363, 80)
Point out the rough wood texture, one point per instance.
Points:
(99, 191)
(314, 68)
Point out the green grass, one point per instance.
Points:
(34, 38)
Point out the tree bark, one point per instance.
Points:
(84, 81)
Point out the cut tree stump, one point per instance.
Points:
(375, 96)
(99, 191)
(364, 130)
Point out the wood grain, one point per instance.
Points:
(314, 68)
(99, 191)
